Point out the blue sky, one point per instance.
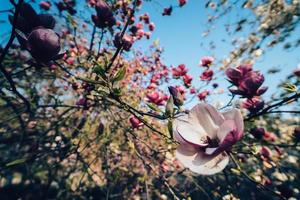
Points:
(181, 36)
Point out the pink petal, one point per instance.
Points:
(236, 115)
(200, 163)
(207, 117)
(227, 135)
(187, 132)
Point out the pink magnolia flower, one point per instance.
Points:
(265, 152)
(151, 26)
(246, 80)
(135, 122)
(202, 95)
(206, 61)
(204, 136)
(181, 70)
(253, 105)
(157, 98)
(207, 75)
(193, 90)
(236, 75)
(187, 79)
(182, 2)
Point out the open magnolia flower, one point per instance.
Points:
(204, 136)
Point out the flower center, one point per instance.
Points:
(212, 142)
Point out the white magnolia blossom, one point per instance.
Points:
(204, 136)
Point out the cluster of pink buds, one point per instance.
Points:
(248, 82)
(157, 98)
(206, 62)
(181, 71)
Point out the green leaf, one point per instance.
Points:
(117, 91)
(99, 71)
(16, 162)
(119, 75)
(153, 107)
(290, 88)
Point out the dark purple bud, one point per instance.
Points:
(297, 134)
(258, 133)
(82, 102)
(47, 21)
(167, 11)
(28, 13)
(21, 24)
(125, 42)
(297, 71)
(237, 91)
(100, 128)
(233, 75)
(177, 97)
(250, 85)
(61, 6)
(104, 17)
(43, 44)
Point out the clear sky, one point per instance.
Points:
(181, 37)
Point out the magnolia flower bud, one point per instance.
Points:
(177, 97)
(104, 17)
(258, 133)
(170, 106)
(297, 134)
(135, 122)
(167, 11)
(47, 21)
(206, 61)
(43, 44)
(182, 2)
(46, 5)
(126, 41)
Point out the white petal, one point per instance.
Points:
(236, 115)
(200, 163)
(186, 132)
(224, 130)
(208, 117)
